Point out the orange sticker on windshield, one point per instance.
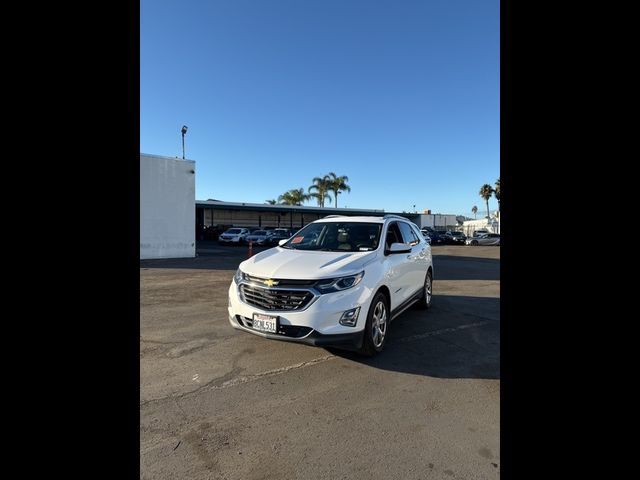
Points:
(297, 240)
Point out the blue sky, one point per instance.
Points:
(401, 96)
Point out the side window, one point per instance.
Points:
(417, 233)
(393, 235)
(407, 234)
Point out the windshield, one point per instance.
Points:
(337, 237)
(259, 232)
(233, 231)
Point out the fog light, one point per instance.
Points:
(350, 317)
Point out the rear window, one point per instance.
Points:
(233, 231)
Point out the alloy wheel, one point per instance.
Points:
(379, 324)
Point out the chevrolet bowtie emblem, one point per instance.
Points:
(270, 283)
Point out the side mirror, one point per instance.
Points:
(282, 242)
(399, 248)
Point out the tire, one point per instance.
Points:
(379, 309)
(427, 292)
(474, 243)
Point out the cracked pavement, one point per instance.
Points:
(217, 403)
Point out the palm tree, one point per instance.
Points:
(496, 192)
(338, 184)
(293, 197)
(271, 202)
(321, 187)
(485, 192)
(474, 210)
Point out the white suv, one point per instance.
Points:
(234, 235)
(334, 283)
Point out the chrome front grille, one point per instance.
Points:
(275, 298)
(280, 282)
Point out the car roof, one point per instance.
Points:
(363, 219)
(345, 218)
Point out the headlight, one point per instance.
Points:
(238, 277)
(338, 284)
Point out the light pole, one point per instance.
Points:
(184, 131)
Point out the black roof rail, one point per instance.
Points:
(391, 215)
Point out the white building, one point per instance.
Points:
(167, 206)
(437, 221)
(492, 225)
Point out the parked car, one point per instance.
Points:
(235, 236)
(436, 238)
(279, 234)
(260, 237)
(338, 281)
(484, 239)
(455, 238)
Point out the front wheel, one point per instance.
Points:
(474, 243)
(376, 327)
(427, 292)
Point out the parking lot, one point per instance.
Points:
(217, 403)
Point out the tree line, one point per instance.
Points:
(486, 191)
(319, 190)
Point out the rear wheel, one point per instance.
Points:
(376, 327)
(427, 292)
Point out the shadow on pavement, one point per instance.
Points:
(453, 267)
(459, 337)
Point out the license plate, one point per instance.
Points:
(265, 323)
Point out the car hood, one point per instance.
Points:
(305, 264)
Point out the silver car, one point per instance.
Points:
(260, 237)
(484, 239)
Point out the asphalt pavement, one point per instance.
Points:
(217, 403)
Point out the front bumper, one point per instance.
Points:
(347, 341)
(229, 240)
(317, 324)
